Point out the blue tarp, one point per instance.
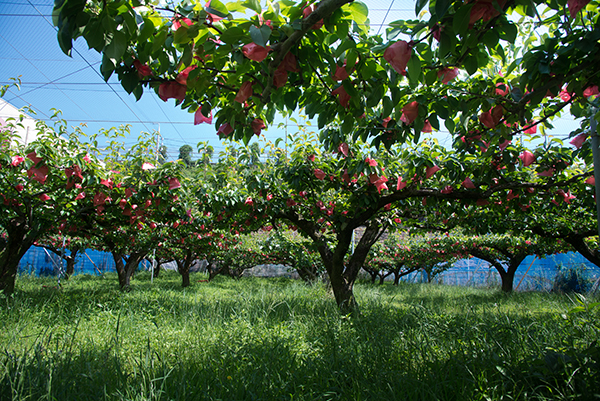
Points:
(533, 274)
(41, 262)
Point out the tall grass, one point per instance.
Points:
(261, 339)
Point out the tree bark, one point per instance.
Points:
(126, 266)
(507, 276)
(18, 242)
(344, 275)
(183, 267)
(71, 262)
(382, 277)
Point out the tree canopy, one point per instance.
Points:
(488, 69)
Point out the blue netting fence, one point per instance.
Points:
(533, 274)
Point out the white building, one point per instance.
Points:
(25, 124)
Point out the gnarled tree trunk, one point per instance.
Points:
(507, 276)
(126, 266)
(18, 242)
(343, 275)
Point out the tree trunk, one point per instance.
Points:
(344, 295)
(126, 266)
(71, 263)
(185, 278)
(9, 266)
(507, 276)
(214, 269)
(17, 244)
(344, 275)
(183, 267)
(382, 278)
(307, 275)
(156, 270)
(508, 279)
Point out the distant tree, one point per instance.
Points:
(185, 154)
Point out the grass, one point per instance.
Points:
(277, 339)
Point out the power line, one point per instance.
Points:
(90, 65)
(44, 75)
(386, 14)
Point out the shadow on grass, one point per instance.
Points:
(345, 361)
(260, 339)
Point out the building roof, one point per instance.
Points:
(23, 124)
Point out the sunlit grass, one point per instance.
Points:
(280, 339)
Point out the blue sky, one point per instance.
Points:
(52, 80)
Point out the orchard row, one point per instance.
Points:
(434, 205)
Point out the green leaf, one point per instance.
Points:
(359, 12)
(470, 64)
(349, 88)
(513, 65)
(508, 32)
(490, 39)
(351, 57)
(56, 12)
(322, 120)
(347, 125)
(130, 80)
(159, 41)
(374, 97)
(180, 36)
(217, 8)
(253, 5)
(460, 22)
(94, 35)
(433, 120)
(417, 136)
(419, 6)
(107, 67)
(446, 44)
(65, 37)
(368, 69)
(418, 126)
(233, 35)
(186, 57)
(138, 92)
(441, 110)
(431, 77)
(414, 70)
(387, 107)
(117, 46)
(146, 30)
(441, 7)
(261, 35)
(450, 125)
(291, 100)
(346, 44)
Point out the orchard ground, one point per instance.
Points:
(280, 339)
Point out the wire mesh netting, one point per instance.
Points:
(534, 274)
